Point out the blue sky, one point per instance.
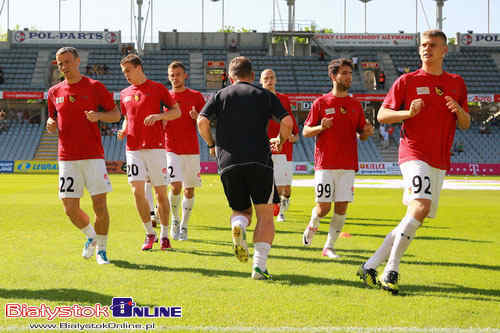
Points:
(185, 15)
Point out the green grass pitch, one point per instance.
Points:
(450, 275)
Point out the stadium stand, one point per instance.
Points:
(20, 141)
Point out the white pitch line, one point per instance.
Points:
(299, 329)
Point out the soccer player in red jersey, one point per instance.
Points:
(335, 119)
(141, 104)
(73, 111)
(431, 103)
(282, 161)
(183, 151)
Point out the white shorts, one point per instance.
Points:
(147, 164)
(75, 175)
(282, 170)
(184, 168)
(334, 185)
(421, 181)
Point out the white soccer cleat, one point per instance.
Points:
(183, 235)
(102, 258)
(308, 235)
(330, 253)
(280, 217)
(240, 246)
(175, 230)
(89, 248)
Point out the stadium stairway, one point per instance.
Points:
(196, 70)
(40, 75)
(388, 67)
(47, 149)
(496, 58)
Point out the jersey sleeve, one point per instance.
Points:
(166, 97)
(211, 108)
(395, 98)
(104, 97)
(464, 103)
(51, 108)
(200, 103)
(122, 105)
(288, 108)
(313, 116)
(278, 112)
(361, 118)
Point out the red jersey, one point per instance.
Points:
(337, 146)
(79, 138)
(138, 102)
(273, 128)
(180, 134)
(429, 135)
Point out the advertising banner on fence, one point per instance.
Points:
(483, 40)
(25, 37)
(303, 168)
(208, 167)
(23, 95)
(474, 169)
(378, 168)
(392, 40)
(36, 167)
(6, 166)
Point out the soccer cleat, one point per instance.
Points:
(330, 253)
(175, 229)
(258, 274)
(149, 241)
(89, 248)
(102, 258)
(308, 235)
(369, 276)
(240, 246)
(281, 217)
(165, 244)
(390, 282)
(183, 234)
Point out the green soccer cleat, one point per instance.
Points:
(390, 282)
(258, 274)
(369, 276)
(240, 246)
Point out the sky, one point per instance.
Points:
(383, 16)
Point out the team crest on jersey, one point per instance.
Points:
(439, 91)
(127, 98)
(59, 100)
(330, 111)
(342, 110)
(72, 99)
(136, 97)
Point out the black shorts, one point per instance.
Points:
(244, 184)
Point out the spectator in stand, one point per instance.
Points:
(390, 136)
(224, 78)
(4, 126)
(381, 80)
(483, 129)
(384, 135)
(321, 55)
(459, 147)
(233, 47)
(355, 63)
(1, 76)
(89, 70)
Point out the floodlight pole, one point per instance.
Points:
(345, 16)
(488, 16)
(439, 14)
(80, 16)
(59, 26)
(365, 1)
(139, 26)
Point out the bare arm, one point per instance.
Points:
(388, 116)
(463, 118)
(174, 112)
(310, 131)
(206, 134)
(112, 116)
(121, 134)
